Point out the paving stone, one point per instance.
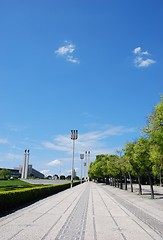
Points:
(88, 211)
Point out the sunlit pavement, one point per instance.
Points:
(88, 211)
(45, 181)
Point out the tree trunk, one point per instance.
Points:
(125, 182)
(151, 186)
(130, 181)
(140, 188)
(121, 184)
(114, 182)
(107, 180)
(117, 182)
(160, 177)
(111, 181)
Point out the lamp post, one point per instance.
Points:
(81, 157)
(88, 163)
(74, 136)
(85, 167)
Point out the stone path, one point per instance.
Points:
(88, 212)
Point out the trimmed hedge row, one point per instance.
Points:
(14, 199)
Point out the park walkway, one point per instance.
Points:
(88, 211)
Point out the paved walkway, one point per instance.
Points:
(89, 212)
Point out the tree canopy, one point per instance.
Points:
(142, 158)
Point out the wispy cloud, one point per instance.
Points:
(10, 156)
(141, 59)
(67, 51)
(45, 172)
(68, 48)
(3, 141)
(72, 59)
(55, 162)
(13, 128)
(93, 141)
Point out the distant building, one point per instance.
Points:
(31, 171)
(15, 172)
(34, 172)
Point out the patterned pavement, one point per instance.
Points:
(87, 212)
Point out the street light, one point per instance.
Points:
(85, 167)
(74, 136)
(81, 157)
(88, 163)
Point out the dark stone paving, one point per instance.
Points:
(74, 227)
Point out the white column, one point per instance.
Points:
(24, 165)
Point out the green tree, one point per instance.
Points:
(129, 155)
(154, 131)
(98, 168)
(113, 168)
(5, 173)
(124, 168)
(142, 160)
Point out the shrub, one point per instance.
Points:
(17, 198)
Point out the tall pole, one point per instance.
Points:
(74, 136)
(85, 167)
(88, 162)
(72, 170)
(24, 165)
(81, 157)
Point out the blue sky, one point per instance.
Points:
(95, 66)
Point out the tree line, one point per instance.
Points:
(140, 160)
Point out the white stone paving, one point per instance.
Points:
(88, 211)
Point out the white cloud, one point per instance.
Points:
(140, 62)
(67, 51)
(60, 143)
(92, 141)
(137, 50)
(140, 59)
(11, 156)
(145, 53)
(54, 163)
(3, 141)
(45, 172)
(72, 59)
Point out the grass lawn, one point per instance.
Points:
(7, 185)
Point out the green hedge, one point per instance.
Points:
(14, 199)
